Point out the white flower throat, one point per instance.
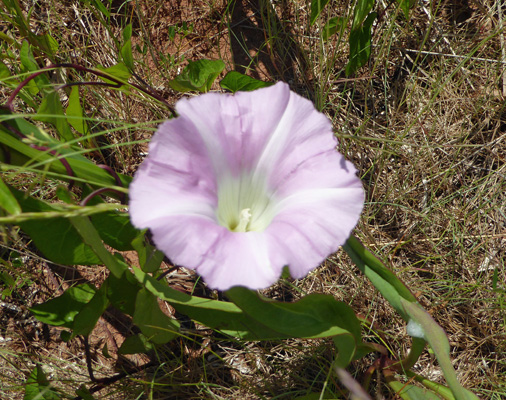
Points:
(244, 204)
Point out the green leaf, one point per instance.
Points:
(154, 324)
(101, 7)
(105, 351)
(150, 258)
(126, 54)
(219, 315)
(75, 113)
(391, 288)
(84, 393)
(119, 71)
(26, 57)
(361, 12)
(406, 5)
(51, 111)
(48, 43)
(313, 316)
(56, 238)
(411, 392)
(438, 341)
(332, 26)
(235, 81)
(91, 237)
(126, 49)
(437, 388)
(65, 336)
(115, 229)
(135, 344)
(346, 348)
(87, 318)
(4, 71)
(127, 32)
(65, 195)
(360, 45)
(171, 32)
(30, 65)
(7, 279)
(62, 310)
(122, 292)
(198, 75)
(381, 277)
(37, 386)
(7, 201)
(316, 8)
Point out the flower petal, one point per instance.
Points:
(222, 257)
(309, 227)
(239, 259)
(301, 134)
(172, 180)
(235, 128)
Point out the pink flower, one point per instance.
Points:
(238, 186)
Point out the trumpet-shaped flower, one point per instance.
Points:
(239, 186)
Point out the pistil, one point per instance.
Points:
(244, 219)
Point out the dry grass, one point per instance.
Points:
(424, 122)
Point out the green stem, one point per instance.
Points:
(390, 286)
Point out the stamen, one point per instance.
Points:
(244, 219)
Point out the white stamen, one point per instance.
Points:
(244, 219)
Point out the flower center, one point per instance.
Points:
(244, 219)
(244, 204)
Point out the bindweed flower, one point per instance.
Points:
(239, 186)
